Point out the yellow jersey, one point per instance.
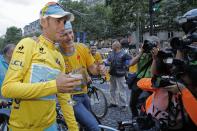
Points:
(80, 58)
(98, 58)
(30, 80)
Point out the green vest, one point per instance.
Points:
(143, 60)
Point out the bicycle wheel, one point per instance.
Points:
(3, 126)
(98, 102)
(61, 126)
(107, 128)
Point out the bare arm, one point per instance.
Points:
(154, 65)
(93, 69)
(179, 55)
(136, 59)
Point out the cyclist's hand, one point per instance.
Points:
(66, 83)
(101, 69)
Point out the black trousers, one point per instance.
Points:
(137, 99)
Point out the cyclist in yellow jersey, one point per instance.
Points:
(36, 76)
(98, 59)
(96, 54)
(76, 56)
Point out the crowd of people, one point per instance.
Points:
(37, 73)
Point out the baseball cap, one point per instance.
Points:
(55, 10)
(68, 25)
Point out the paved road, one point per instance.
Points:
(114, 114)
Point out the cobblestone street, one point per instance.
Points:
(114, 114)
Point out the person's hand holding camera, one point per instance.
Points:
(141, 50)
(154, 52)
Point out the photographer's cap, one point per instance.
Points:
(54, 10)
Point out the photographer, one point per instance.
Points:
(158, 103)
(144, 60)
(181, 82)
(187, 52)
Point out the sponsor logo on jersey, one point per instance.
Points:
(17, 63)
(41, 50)
(20, 49)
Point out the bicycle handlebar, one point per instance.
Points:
(101, 80)
(5, 104)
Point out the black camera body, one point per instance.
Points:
(162, 81)
(148, 46)
(183, 44)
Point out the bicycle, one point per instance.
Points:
(4, 116)
(140, 123)
(61, 124)
(98, 101)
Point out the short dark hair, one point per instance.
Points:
(129, 34)
(7, 48)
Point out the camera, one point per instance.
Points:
(162, 81)
(148, 46)
(183, 44)
(142, 123)
(164, 61)
(168, 69)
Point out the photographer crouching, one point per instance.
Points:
(144, 60)
(174, 86)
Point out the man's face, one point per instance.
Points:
(54, 28)
(93, 49)
(68, 36)
(116, 46)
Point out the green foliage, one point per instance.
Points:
(125, 14)
(13, 35)
(2, 44)
(156, 7)
(95, 20)
(170, 10)
(127, 11)
(122, 16)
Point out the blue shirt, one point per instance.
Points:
(126, 58)
(3, 69)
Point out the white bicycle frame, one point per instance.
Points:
(108, 128)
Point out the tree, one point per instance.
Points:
(170, 10)
(126, 12)
(95, 20)
(126, 15)
(2, 44)
(122, 16)
(13, 35)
